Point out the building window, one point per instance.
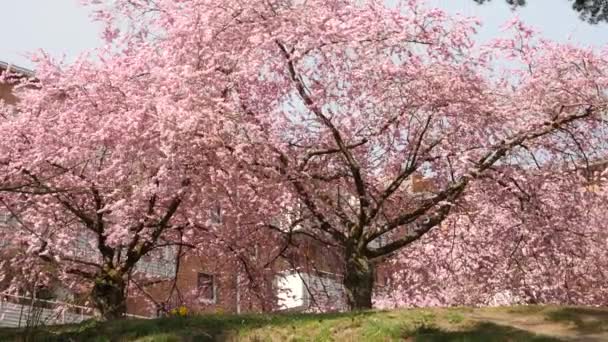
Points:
(5, 218)
(216, 214)
(206, 287)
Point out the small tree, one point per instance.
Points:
(99, 168)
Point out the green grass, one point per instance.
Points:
(449, 324)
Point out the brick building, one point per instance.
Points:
(7, 88)
(308, 277)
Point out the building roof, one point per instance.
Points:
(16, 69)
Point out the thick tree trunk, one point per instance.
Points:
(109, 295)
(358, 281)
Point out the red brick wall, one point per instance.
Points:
(187, 285)
(309, 255)
(6, 93)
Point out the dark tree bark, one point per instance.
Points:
(358, 280)
(109, 295)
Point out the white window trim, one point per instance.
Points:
(214, 288)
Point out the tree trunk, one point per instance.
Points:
(358, 281)
(109, 295)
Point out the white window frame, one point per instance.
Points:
(213, 287)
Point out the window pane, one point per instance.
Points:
(206, 286)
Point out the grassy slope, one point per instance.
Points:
(531, 323)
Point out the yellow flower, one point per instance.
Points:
(183, 311)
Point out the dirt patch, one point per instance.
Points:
(544, 323)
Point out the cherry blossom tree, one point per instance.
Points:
(102, 163)
(529, 245)
(346, 103)
(105, 162)
(323, 112)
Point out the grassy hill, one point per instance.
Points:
(525, 323)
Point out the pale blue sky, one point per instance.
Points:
(63, 26)
(554, 18)
(57, 26)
